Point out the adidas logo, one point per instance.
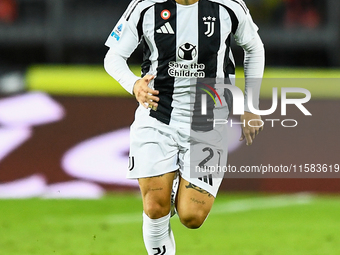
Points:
(165, 29)
(207, 179)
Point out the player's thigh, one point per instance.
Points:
(156, 193)
(193, 204)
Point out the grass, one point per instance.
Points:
(242, 224)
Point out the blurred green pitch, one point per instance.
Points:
(239, 224)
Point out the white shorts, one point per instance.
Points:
(157, 148)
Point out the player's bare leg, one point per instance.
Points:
(156, 194)
(193, 204)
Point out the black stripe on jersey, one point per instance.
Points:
(166, 46)
(228, 68)
(208, 47)
(228, 65)
(146, 58)
(242, 4)
(131, 8)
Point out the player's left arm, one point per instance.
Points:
(253, 70)
(247, 37)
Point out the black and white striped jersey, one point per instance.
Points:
(181, 43)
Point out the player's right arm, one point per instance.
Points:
(122, 41)
(116, 66)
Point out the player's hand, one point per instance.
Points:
(250, 132)
(144, 94)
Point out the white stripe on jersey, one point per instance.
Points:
(149, 19)
(225, 31)
(187, 25)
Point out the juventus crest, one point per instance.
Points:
(210, 22)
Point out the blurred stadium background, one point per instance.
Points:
(64, 134)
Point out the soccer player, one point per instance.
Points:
(183, 40)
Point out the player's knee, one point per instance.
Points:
(156, 210)
(193, 220)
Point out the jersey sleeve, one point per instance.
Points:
(124, 37)
(122, 41)
(246, 29)
(254, 61)
(247, 37)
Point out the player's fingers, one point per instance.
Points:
(153, 107)
(150, 99)
(152, 91)
(143, 103)
(146, 99)
(259, 126)
(152, 103)
(258, 130)
(247, 134)
(253, 133)
(153, 98)
(146, 95)
(149, 77)
(249, 140)
(242, 137)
